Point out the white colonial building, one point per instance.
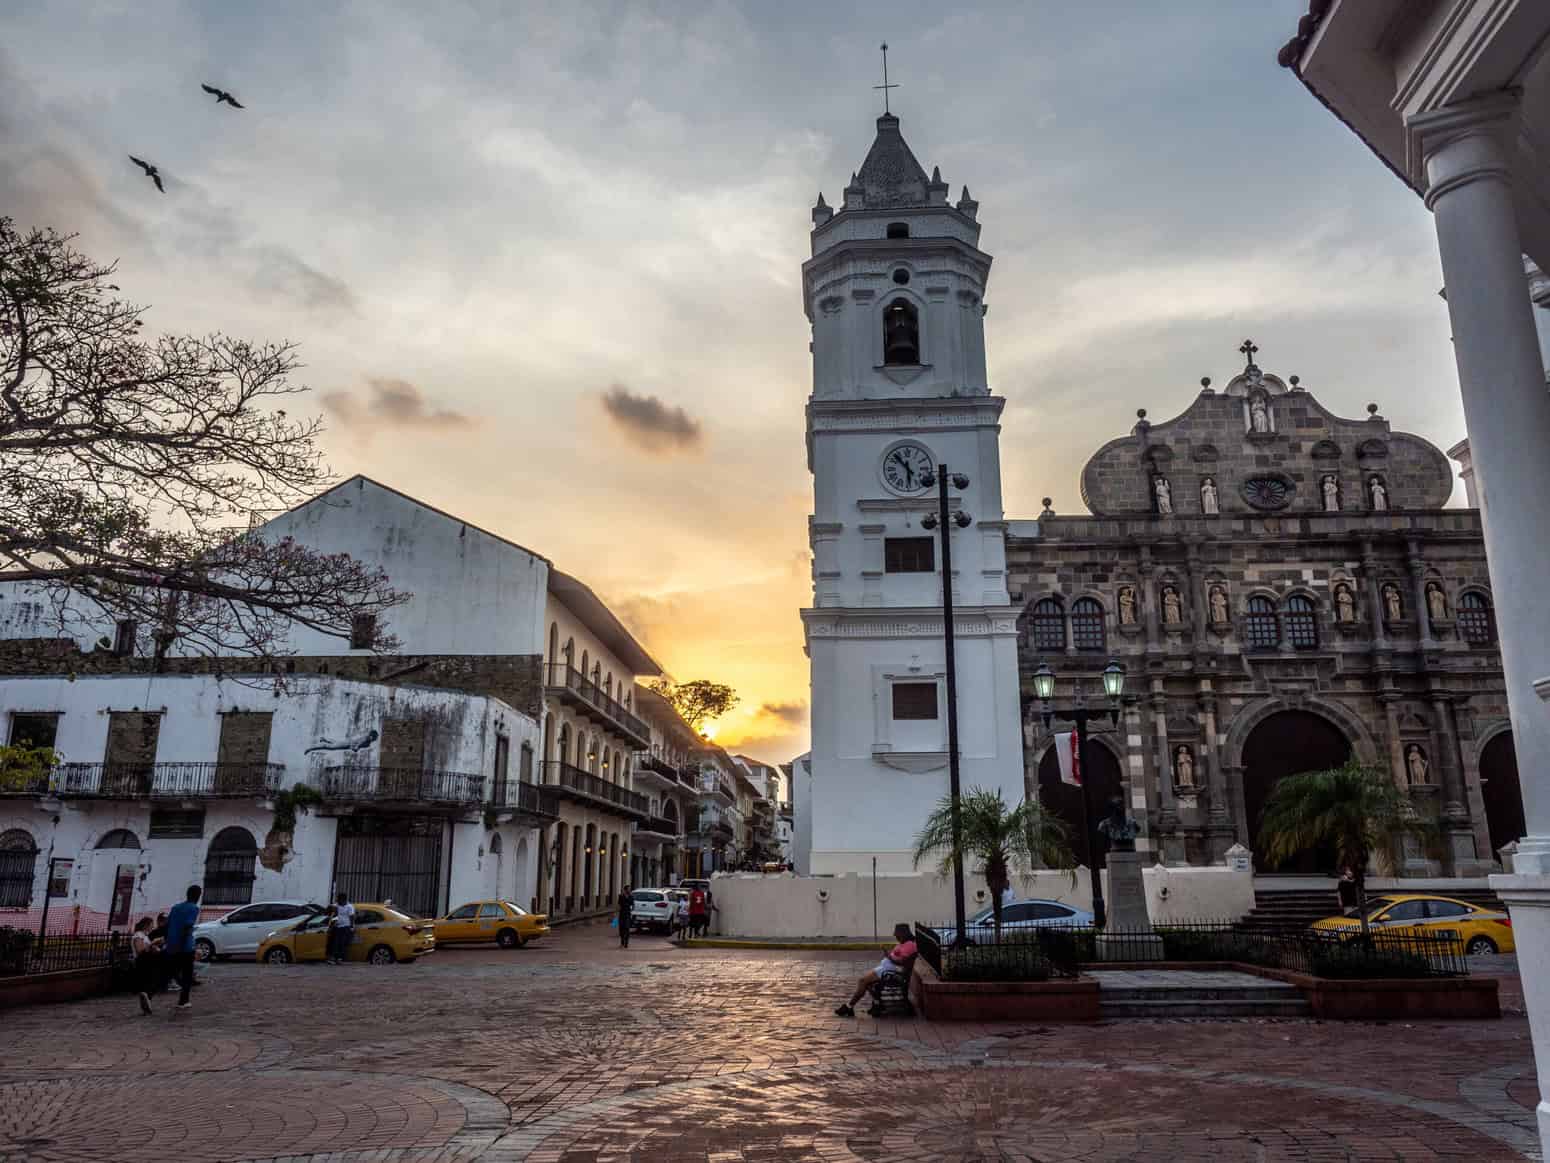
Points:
(895, 293)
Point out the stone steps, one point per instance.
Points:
(1283, 910)
(1164, 993)
(1119, 1010)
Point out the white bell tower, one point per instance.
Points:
(895, 294)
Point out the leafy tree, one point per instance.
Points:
(697, 702)
(1354, 809)
(1002, 841)
(23, 767)
(133, 468)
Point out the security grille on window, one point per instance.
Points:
(1048, 624)
(230, 867)
(1302, 622)
(1260, 629)
(363, 631)
(1476, 624)
(1087, 624)
(18, 867)
(914, 700)
(909, 555)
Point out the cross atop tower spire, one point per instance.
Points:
(885, 86)
(1248, 348)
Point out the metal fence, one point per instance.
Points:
(23, 952)
(1037, 954)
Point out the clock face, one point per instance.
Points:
(904, 468)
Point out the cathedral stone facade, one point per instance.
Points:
(1286, 590)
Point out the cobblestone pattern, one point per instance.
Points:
(574, 1050)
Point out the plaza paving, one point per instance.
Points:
(575, 1050)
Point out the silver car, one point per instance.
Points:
(1017, 917)
(240, 932)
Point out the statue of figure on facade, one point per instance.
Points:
(1173, 606)
(1163, 491)
(1183, 767)
(1345, 603)
(1208, 496)
(1436, 602)
(1218, 604)
(1379, 493)
(1259, 415)
(1393, 608)
(1417, 764)
(1127, 605)
(1330, 487)
(1117, 828)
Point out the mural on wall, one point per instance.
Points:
(354, 744)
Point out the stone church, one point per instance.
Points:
(1286, 590)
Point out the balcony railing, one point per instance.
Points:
(174, 781)
(585, 786)
(528, 798)
(646, 761)
(568, 681)
(658, 825)
(402, 785)
(717, 784)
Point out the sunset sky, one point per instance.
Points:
(543, 259)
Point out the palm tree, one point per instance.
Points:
(1000, 839)
(1354, 809)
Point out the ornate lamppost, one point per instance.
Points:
(1079, 715)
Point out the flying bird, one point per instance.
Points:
(222, 95)
(150, 172)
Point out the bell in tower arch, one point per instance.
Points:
(901, 334)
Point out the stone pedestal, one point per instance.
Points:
(1132, 938)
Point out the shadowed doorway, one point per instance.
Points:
(1500, 790)
(1065, 801)
(1288, 743)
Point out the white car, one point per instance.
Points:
(653, 909)
(240, 932)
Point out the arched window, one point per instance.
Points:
(1260, 629)
(901, 334)
(564, 752)
(1302, 622)
(1087, 624)
(898, 230)
(608, 686)
(495, 844)
(1048, 625)
(230, 866)
(119, 838)
(18, 867)
(1477, 624)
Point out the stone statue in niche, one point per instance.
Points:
(1164, 494)
(1417, 764)
(1330, 487)
(1183, 767)
(1173, 606)
(1127, 605)
(1345, 603)
(1259, 415)
(1393, 608)
(1436, 602)
(1208, 496)
(1379, 493)
(1218, 604)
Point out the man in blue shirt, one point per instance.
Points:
(179, 945)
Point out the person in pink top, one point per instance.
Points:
(898, 960)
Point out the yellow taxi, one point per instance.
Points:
(383, 935)
(1479, 930)
(509, 926)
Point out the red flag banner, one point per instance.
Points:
(1069, 754)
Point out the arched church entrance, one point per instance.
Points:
(1288, 743)
(1065, 801)
(1501, 792)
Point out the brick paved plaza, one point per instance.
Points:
(575, 1050)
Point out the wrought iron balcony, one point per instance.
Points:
(568, 684)
(658, 826)
(646, 761)
(150, 781)
(583, 786)
(714, 783)
(401, 785)
(528, 799)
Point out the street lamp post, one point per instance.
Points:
(1079, 715)
(945, 521)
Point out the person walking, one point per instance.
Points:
(178, 948)
(148, 978)
(626, 915)
(696, 910)
(341, 930)
(681, 916)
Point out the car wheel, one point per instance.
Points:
(522, 941)
(204, 950)
(278, 956)
(506, 939)
(1480, 946)
(381, 955)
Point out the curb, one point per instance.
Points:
(822, 946)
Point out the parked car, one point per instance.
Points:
(1479, 930)
(240, 932)
(383, 935)
(653, 909)
(1019, 916)
(695, 882)
(508, 925)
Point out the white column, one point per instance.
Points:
(1467, 149)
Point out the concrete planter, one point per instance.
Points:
(67, 985)
(1061, 1000)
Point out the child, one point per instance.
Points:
(147, 962)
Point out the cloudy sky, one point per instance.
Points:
(543, 259)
